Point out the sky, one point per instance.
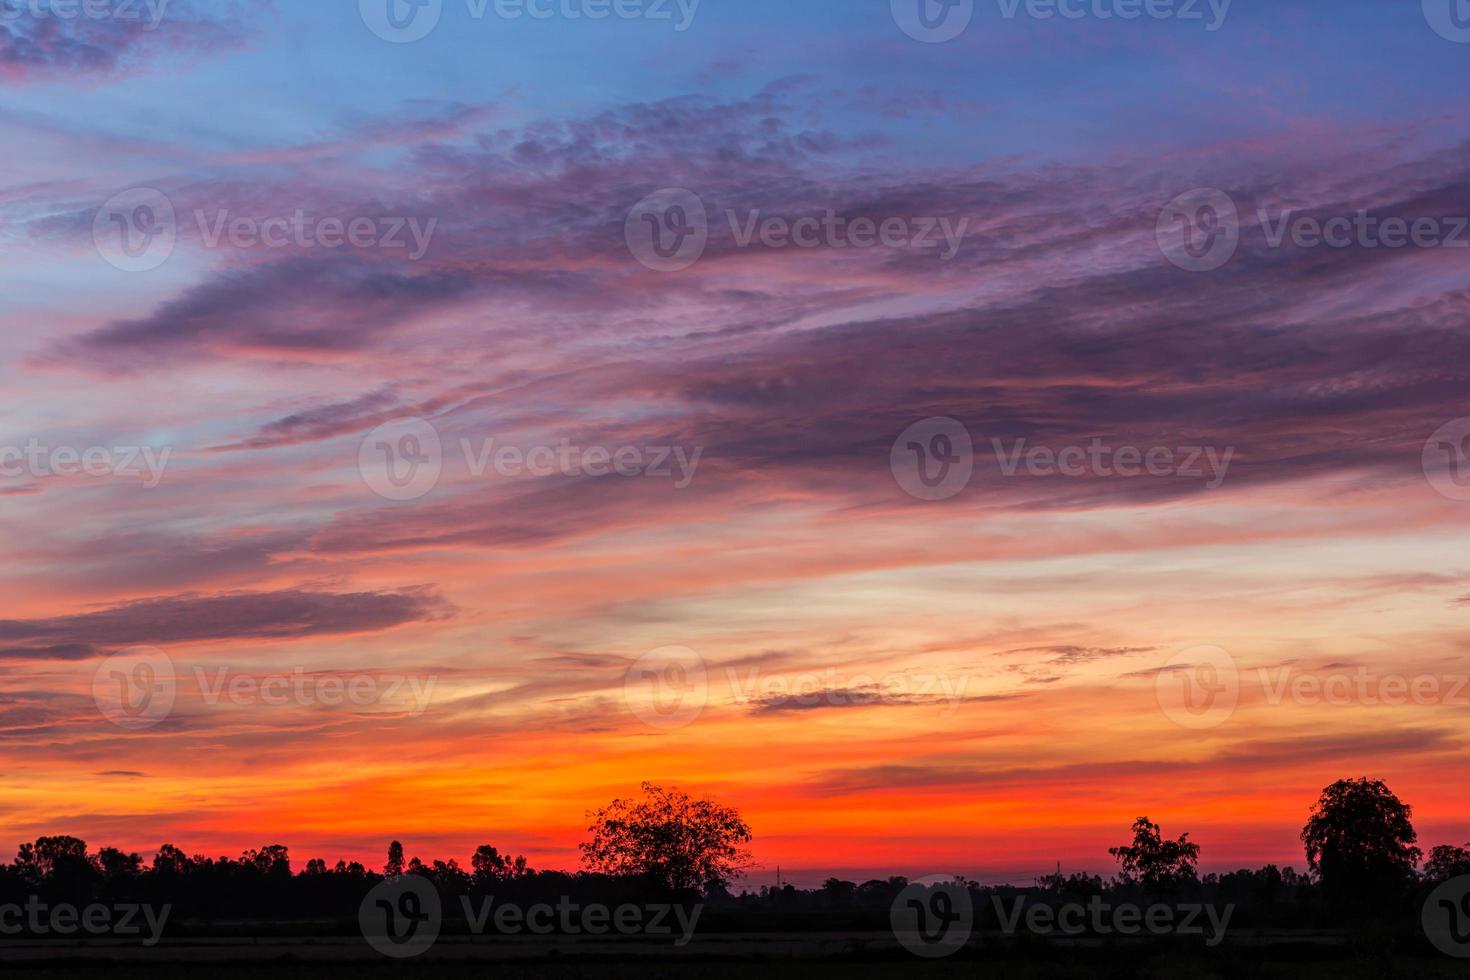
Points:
(944, 432)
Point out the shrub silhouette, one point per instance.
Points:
(1156, 864)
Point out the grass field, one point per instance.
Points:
(1123, 962)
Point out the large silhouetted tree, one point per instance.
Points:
(1153, 862)
(394, 866)
(669, 837)
(1360, 842)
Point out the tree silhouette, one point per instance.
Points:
(394, 866)
(1360, 842)
(490, 866)
(1447, 861)
(1155, 863)
(675, 840)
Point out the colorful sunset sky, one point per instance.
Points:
(884, 684)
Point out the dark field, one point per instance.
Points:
(810, 958)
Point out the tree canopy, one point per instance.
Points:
(670, 837)
(1360, 841)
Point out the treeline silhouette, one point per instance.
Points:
(1361, 852)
